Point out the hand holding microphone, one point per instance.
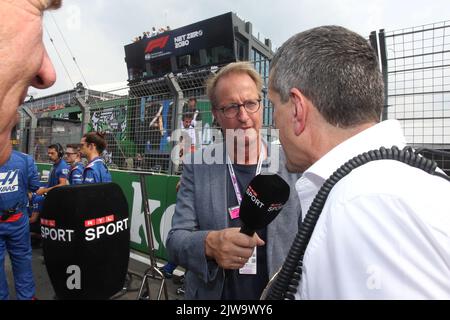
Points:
(230, 248)
(262, 201)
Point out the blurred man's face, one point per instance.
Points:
(191, 104)
(52, 155)
(23, 61)
(187, 122)
(71, 155)
(84, 148)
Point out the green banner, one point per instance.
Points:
(161, 199)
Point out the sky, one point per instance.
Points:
(96, 31)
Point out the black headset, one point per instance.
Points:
(59, 149)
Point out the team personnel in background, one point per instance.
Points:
(60, 170)
(96, 171)
(18, 176)
(24, 60)
(384, 231)
(73, 158)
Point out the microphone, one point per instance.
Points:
(263, 200)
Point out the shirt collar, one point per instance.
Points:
(384, 134)
(94, 160)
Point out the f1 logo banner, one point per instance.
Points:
(157, 43)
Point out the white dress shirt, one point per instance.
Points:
(384, 232)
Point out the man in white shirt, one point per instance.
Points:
(189, 131)
(384, 231)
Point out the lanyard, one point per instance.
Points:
(233, 175)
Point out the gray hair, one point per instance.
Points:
(232, 68)
(336, 69)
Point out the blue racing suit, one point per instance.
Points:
(35, 204)
(96, 172)
(76, 174)
(59, 170)
(17, 176)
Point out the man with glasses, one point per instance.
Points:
(76, 166)
(205, 237)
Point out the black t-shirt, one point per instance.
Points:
(243, 286)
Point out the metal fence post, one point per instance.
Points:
(152, 272)
(373, 42)
(32, 132)
(86, 113)
(178, 110)
(384, 70)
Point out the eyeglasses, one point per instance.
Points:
(69, 153)
(232, 110)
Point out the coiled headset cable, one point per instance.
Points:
(284, 284)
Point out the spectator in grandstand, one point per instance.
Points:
(188, 132)
(154, 32)
(139, 161)
(205, 237)
(186, 142)
(153, 132)
(191, 107)
(21, 65)
(73, 158)
(60, 170)
(92, 145)
(18, 176)
(157, 121)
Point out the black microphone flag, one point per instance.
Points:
(86, 237)
(262, 201)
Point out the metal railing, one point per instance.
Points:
(416, 68)
(144, 130)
